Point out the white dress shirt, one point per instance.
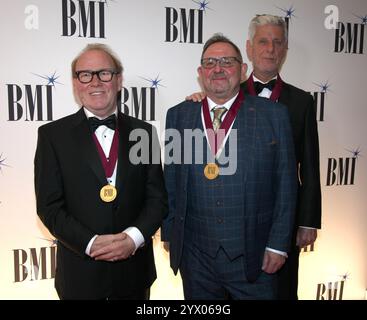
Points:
(105, 136)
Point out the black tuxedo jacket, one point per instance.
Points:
(68, 179)
(304, 126)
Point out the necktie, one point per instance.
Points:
(110, 122)
(260, 86)
(218, 113)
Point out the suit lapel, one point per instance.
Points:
(246, 133)
(123, 165)
(191, 119)
(83, 138)
(285, 94)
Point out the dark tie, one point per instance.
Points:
(260, 86)
(109, 122)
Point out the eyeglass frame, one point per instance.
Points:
(220, 60)
(113, 72)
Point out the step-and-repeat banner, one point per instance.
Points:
(160, 44)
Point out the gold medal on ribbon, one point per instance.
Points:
(211, 171)
(108, 193)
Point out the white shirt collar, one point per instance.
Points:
(91, 114)
(256, 79)
(227, 104)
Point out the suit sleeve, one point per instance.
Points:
(50, 200)
(285, 186)
(169, 175)
(309, 211)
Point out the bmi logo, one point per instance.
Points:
(342, 170)
(140, 102)
(319, 100)
(331, 290)
(84, 19)
(349, 37)
(185, 25)
(35, 263)
(31, 102)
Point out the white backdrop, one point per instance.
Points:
(41, 37)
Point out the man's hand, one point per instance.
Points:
(305, 237)
(272, 262)
(120, 247)
(196, 97)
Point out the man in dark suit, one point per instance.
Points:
(101, 204)
(266, 48)
(229, 224)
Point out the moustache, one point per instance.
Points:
(218, 76)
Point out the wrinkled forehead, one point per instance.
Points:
(270, 31)
(220, 49)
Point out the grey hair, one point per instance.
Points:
(101, 47)
(219, 37)
(265, 19)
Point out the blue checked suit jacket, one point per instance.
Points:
(265, 151)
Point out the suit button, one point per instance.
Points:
(219, 203)
(220, 220)
(181, 218)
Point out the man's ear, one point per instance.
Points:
(249, 50)
(244, 69)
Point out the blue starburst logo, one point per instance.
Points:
(51, 80)
(345, 276)
(2, 162)
(53, 241)
(154, 83)
(288, 12)
(203, 5)
(363, 19)
(356, 153)
(323, 86)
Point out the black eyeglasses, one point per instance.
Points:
(224, 62)
(86, 76)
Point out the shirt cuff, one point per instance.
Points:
(306, 227)
(136, 235)
(90, 243)
(282, 253)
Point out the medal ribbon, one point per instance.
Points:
(110, 163)
(215, 140)
(275, 93)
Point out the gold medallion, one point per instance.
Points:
(211, 171)
(108, 193)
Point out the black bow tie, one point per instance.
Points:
(260, 86)
(109, 122)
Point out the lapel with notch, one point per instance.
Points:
(88, 150)
(123, 164)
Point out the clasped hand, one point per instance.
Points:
(112, 247)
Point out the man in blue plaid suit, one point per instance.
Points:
(229, 230)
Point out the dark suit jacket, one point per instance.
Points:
(304, 127)
(265, 148)
(302, 114)
(68, 179)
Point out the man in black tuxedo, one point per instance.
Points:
(266, 49)
(93, 194)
